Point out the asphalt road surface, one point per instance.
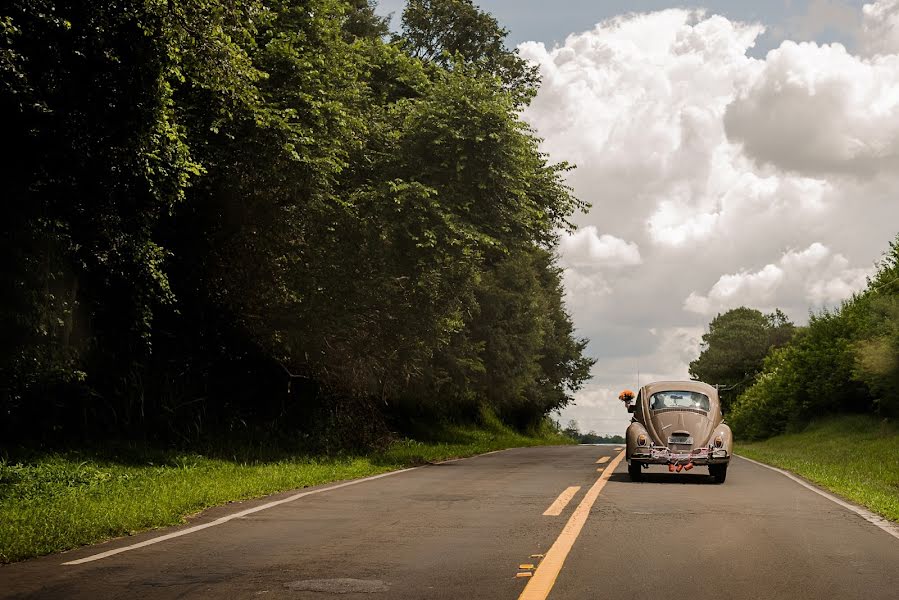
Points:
(468, 529)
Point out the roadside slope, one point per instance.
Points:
(855, 456)
(55, 502)
(471, 528)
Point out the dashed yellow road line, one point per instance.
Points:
(602, 460)
(555, 509)
(544, 578)
(600, 469)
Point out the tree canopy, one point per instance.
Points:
(843, 361)
(735, 346)
(451, 32)
(262, 217)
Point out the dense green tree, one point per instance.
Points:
(268, 216)
(102, 158)
(734, 348)
(875, 314)
(844, 361)
(444, 31)
(811, 376)
(362, 22)
(531, 361)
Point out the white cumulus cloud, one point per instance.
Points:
(814, 276)
(586, 247)
(880, 28)
(704, 166)
(819, 109)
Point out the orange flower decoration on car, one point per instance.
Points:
(626, 396)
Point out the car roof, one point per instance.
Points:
(685, 386)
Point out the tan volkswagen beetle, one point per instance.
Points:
(679, 424)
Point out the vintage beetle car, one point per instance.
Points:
(679, 424)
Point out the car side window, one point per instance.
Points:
(638, 404)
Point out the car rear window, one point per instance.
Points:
(678, 399)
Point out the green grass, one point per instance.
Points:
(53, 502)
(855, 456)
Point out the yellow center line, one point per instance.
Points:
(544, 578)
(602, 459)
(555, 509)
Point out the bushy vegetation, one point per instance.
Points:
(54, 501)
(734, 349)
(263, 218)
(845, 361)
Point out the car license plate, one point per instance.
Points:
(680, 440)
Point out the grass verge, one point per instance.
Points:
(855, 456)
(54, 502)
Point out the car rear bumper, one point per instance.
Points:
(664, 456)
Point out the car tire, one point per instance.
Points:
(719, 472)
(635, 470)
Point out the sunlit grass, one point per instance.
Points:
(54, 502)
(854, 456)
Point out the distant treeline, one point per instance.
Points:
(594, 438)
(778, 377)
(273, 218)
(573, 431)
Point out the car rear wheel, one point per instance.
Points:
(719, 472)
(635, 471)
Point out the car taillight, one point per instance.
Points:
(718, 442)
(641, 440)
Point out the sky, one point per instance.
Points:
(734, 154)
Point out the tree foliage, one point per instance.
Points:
(269, 216)
(734, 348)
(572, 430)
(451, 32)
(845, 360)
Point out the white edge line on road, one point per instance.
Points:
(230, 517)
(451, 460)
(252, 510)
(864, 513)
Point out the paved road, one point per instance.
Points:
(462, 530)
